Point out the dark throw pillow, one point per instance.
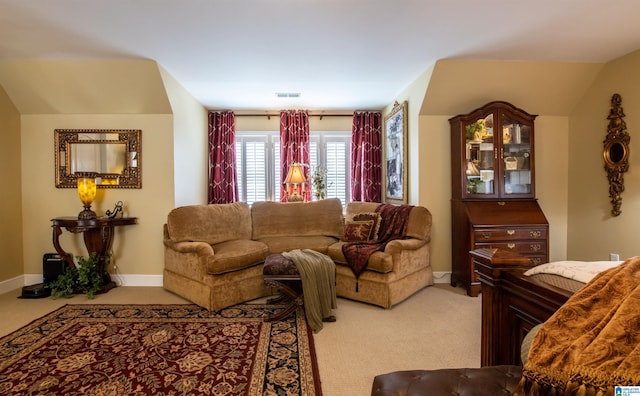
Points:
(373, 216)
(357, 231)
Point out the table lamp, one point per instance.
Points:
(87, 193)
(294, 178)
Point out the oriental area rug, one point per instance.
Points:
(176, 349)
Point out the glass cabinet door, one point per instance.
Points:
(480, 157)
(492, 153)
(516, 154)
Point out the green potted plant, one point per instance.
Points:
(476, 131)
(318, 181)
(84, 277)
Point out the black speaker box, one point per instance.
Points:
(52, 266)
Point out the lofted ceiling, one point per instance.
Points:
(337, 54)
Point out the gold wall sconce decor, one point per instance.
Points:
(616, 153)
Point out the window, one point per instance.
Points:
(332, 150)
(258, 157)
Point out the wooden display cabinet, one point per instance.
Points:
(493, 189)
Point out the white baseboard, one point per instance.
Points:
(140, 280)
(31, 279)
(442, 277)
(137, 280)
(16, 283)
(121, 280)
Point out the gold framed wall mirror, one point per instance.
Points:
(113, 154)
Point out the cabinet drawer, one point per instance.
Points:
(509, 234)
(537, 260)
(525, 248)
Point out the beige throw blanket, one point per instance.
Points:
(592, 343)
(318, 274)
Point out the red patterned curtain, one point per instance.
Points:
(223, 179)
(294, 146)
(366, 157)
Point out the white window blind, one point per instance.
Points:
(337, 170)
(276, 171)
(258, 156)
(252, 155)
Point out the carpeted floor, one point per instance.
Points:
(159, 349)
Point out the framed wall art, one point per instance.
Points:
(395, 154)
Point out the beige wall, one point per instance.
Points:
(11, 191)
(414, 94)
(137, 249)
(593, 231)
(84, 87)
(546, 88)
(552, 176)
(271, 124)
(190, 145)
(132, 94)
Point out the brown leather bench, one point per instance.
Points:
(485, 381)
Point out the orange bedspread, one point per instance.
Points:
(592, 343)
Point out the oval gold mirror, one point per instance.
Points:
(616, 153)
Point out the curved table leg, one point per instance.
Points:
(66, 257)
(99, 240)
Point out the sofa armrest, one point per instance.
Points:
(397, 245)
(199, 248)
(408, 255)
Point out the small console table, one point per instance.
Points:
(98, 237)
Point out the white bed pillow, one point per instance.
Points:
(581, 271)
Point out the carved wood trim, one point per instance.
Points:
(616, 153)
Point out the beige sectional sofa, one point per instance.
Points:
(214, 254)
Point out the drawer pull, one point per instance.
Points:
(511, 232)
(535, 234)
(536, 260)
(511, 245)
(486, 235)
(535, 247)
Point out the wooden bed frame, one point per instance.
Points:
(512, 303)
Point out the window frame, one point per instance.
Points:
(272, 155)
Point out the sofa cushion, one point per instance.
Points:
(370, 216)
(285, 244)
(354, 208)
(379, 261)
(210, 223)
(235, 255)
(418, 224)
(277, 219)
(358, 231)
